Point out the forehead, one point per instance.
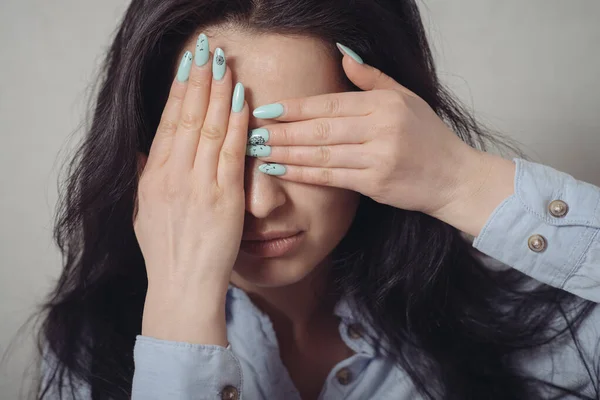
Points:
(274, 67)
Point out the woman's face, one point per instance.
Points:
(274, 68)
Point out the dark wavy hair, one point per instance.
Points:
(453, 324)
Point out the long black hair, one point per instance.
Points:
(451, 323)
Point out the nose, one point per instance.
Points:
(264, 193)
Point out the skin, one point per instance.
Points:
(284, 287)
(288, 289)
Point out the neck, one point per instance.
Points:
(297, 308)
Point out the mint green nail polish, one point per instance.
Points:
(219, 64)
(272, 169)
(350, 52)
(258, 136)
(183, 73)
(202, 50)
(237, 103)
(258, 150)
(268, 111)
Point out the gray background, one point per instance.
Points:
(527, 67)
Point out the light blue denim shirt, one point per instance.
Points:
(250, 367)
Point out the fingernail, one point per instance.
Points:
(219, 65)
(258, 150)
(183, 73)
(202, 50)
(272, 169)
(258, 136)
(268, 111)
(237, 103)
(350, 52)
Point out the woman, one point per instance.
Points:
(330, 262)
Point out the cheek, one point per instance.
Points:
(330, 210)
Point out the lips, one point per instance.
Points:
(280, 244)
(270, 235)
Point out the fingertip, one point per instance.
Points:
(238, 101)
(351, 53)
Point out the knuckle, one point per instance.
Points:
(324, 177)
(211, 132)
(324, 155)
(285, 134)
(396, 98)
(172, 188)
(301, 108)
(333, 105)
(219, 94)
(166, 126)
(198, 82)
(322, 131)
(230, 156)
(189, 121)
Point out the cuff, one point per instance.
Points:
(167, 369)
(565, 239)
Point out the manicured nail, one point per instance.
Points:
(350, 52)
(268, 111)
(258, 150)
(272, 169)
(219, 65)
(258, 136)
(237, 103)
(202, 50)
(183, 73)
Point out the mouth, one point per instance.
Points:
(272, 245)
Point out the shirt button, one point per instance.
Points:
(343, 376)
(537, 243)
(558, 208)
(355, 331)
(229, 393)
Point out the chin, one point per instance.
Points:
(272, 272)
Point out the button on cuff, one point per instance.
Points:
(230, 393)
(556, 197)
(558, 208)
(537, 243)
(522, 232)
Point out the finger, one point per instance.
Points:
(335, 177)
(320, 131)
(193, 110)
(162, 142)
(214, 127)
(232, 158)
(364, 76)
(345, 104)
(339, 156)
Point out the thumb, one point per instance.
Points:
(362, 75)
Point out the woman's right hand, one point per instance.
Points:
(190, 206)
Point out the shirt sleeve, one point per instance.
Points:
(176, 370)
(548, 229)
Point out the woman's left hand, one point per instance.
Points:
(384, 142)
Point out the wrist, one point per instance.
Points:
(184, 314)
(485, 181)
